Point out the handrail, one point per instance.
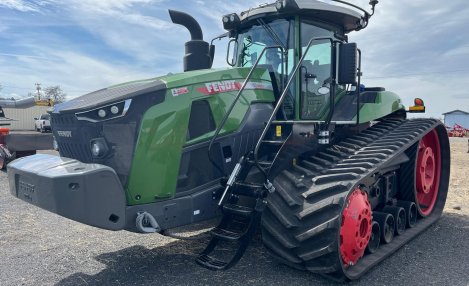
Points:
(280, 101)
(235, 101)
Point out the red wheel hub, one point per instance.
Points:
(427, 175)
(355, 231)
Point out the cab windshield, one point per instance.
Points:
(251, 43)
(314, 78)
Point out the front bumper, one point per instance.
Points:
(88, 193)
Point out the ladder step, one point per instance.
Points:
(262, 163)
(210, 262)
(267, 164)
(238, 210)
(273, 142)
(225, 234)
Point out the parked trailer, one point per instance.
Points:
(19, 144)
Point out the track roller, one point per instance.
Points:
(411, 212)
(375, 238)
(399, 218)
(386, 224)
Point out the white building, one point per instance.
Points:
(23, 118)
(457, 117)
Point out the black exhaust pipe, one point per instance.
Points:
(197, 55)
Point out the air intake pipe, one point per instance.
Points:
(198, 52)
(20, 103)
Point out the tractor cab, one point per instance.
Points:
(309, 35)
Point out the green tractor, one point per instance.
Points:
(287, 140)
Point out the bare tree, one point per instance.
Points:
(54, 93)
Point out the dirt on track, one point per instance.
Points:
(40, 248)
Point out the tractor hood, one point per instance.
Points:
(146, 87)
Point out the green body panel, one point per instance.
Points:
(386, 103)
(163, 130)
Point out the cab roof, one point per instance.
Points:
(346, 18)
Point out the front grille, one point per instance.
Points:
(120, 134)
(62, 120)
(77, 151)
(78, 146)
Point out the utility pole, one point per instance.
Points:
(38, 88)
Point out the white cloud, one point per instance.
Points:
(413, 47)
(19, 5)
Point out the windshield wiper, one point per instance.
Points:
(272, 34)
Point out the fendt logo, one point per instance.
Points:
(232, 85)
(67, 134)
(220, 86)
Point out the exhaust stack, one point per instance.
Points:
(198, 52)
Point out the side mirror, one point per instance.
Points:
(348, 63)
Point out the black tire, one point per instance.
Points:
(303, 233)
(301, 225)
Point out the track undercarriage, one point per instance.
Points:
(343, 210)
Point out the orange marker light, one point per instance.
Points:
(418, 102)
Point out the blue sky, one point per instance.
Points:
(415, 48)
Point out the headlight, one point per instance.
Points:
(99, 148)
(114, 109)
(102, 113)
(107, 112)
(286, 5)
(231, 21)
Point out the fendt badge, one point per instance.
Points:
(67, 134)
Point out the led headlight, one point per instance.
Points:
(231, 21)
(114, 109)
(286, 5)
(102, 113)
(99, 148)
(279, 5)
(107, 112)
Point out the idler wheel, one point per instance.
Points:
(355, 230)
(428, 172)
(386, 223)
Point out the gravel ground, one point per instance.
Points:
(40, 248)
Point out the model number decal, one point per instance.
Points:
(179, 91)
(67, 134)
(231, 85)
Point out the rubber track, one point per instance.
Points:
(301, 223)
